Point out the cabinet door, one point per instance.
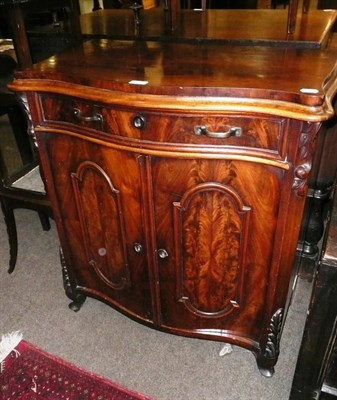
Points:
(98, 192)
(217, 224)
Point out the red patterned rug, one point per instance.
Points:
(29, 373)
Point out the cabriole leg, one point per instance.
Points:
(77, 298)
(268, 356)
(12, 234)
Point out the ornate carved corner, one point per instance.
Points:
(23, 101)
(77, 298)
(272, 347)
(268, 356)
(303, 162)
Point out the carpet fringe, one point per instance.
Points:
(8, 343)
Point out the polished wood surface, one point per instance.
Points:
(281, 81)
(258, 27)
(250, 27)
(292, 12)
(178, 174)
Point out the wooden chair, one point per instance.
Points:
(15, 15)
(23, 186)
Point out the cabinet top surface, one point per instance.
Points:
(213, 72)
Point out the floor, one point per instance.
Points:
(102, 340)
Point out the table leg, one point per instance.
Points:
(18, 31)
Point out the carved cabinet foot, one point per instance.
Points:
(268, 355)
(69, 288)
(266, 366)
(78, 300)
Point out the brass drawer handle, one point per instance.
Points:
(231, 131)
(94, 118)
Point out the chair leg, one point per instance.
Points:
(18, 123)
(44, 219)
(12, 235)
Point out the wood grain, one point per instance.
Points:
(189, 77)
(259, 27)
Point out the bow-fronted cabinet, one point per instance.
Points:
(180, 210)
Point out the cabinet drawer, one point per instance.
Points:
(77, 113)
(176, 128)
(215, 130)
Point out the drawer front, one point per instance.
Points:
(215, 130)
(180, 128)
(76, 113)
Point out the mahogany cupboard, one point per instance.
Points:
(178, 178)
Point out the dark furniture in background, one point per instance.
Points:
(23, 187)
(44, 41)
(15, 16)
(221, 4)
(9, 106)
(316, 371)
(220, 26)
(276, 3)
(326, 4)
(321, 184)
